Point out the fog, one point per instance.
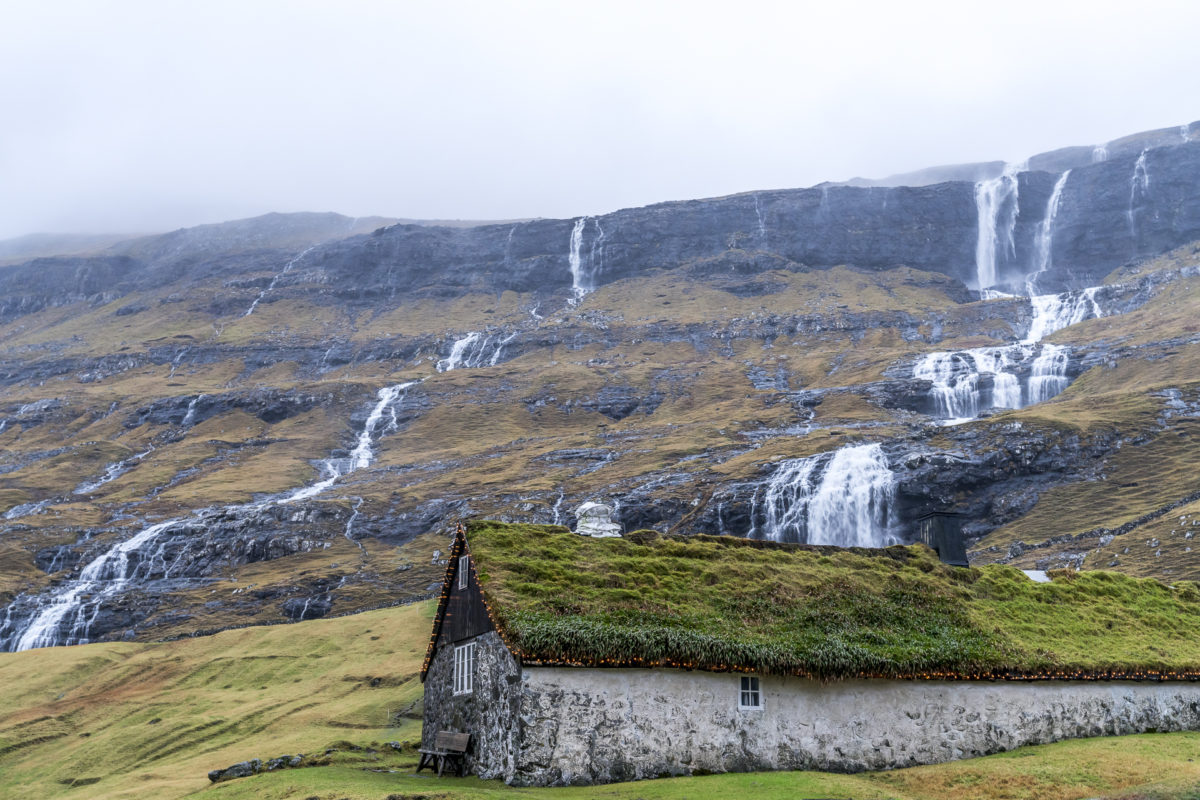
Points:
(142, 116)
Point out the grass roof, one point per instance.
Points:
(723, 603)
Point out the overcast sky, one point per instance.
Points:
(142, 116)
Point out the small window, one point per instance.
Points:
(464, 668)
(464, 569)
(750, 696)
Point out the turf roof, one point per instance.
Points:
(723, 603)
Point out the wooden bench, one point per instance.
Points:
(447, 747)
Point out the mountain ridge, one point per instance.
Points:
(277, 429)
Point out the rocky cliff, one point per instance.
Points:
(277, 419)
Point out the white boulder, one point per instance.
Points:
(595, 519)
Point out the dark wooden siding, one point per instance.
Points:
(466, 616)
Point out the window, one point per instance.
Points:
(464, 569)
(750, 696)
(464, 668)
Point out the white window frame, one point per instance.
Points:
(464, 571)
(750, 688)
(464, 668)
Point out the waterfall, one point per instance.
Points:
(1052, 312)
(191, 412)
(957, 385)
(27, 509)
(578, 285)
(475, 350)
(349, 531)
(64, 614)
(558, 508)
(762, 225)
(996, 211)
(495, 359)
(596, 256)
(1099, 153)
(457, 352)
(844, 498)
(1048, 376)
(1139, 186)
(175, 361)
(1045, 238)
(332, 469)
(508, 245)
(270, 286)
(954, 384)
(112, 472)
(956, 380)
(583, 275)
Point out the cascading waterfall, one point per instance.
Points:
(1045, 240)
(65, 613)
(956, 380)
(458, 350)
(475, 350)
(844, 498)
(27, 509)
(996, 212)
(1048, 375)
(762, 224)
(583, 275)
(596, 255)
(1053, 312)
(101, 578)
(175, 362)
(574, 259)
(190, 415)
(508, 245)
(557, 509)
(958, 388)
(112, 472)
(333, 469)
(270, 286)
(1139, 187)
(1099, 153)
(966, 383)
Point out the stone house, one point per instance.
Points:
(544, 714)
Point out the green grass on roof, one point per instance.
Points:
(716, 602)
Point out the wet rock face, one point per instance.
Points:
(297, 609)
(269, 405)
(618, 402)
(1104, 220)
(925, 228)
(49, 282)
(932, 228)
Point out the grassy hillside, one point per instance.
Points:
(126, 720)
(720, 382)
(154, 719)
(1136, 513)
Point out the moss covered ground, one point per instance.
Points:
(722, 603)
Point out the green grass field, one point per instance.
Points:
(126, 720)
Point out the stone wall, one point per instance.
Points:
(583, 726)
(488, 713)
